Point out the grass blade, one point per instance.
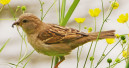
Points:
(4, 45)
(69, 13)
(63, 10)
(127, 64)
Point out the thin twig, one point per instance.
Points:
(107, 54)
(88, 54)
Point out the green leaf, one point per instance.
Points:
(63, 10)
(4, 45)
(127, 64)
(12, 64)
(69, 13)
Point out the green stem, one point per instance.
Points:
(56, 60)
(49, 9)
(21, 48)
(12, 12)
(119, 55)
(79, 26)
(57, 10)
(88, 55)
(4, 45)
(70, 12)
(109, 65)
(23, 37)
(95, 23)
(99, 34)
(102, 9)
(127, 24)
(103, 53)
(128, 52)
(2, 8)
(52, 61)
(77, 57)
(105, 49)
(26, 63)
(59, 13)
(41, 10)
(107, 54)
(24, 58)
(79, 54)
(63, 10)
(27, 56)
(14, 16)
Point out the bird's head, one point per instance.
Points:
(29, 22)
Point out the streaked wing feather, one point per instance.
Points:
(58, 34)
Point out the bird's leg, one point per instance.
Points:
(62, 58)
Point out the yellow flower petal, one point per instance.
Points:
(115, 5)
(91, 12)
(95, 12)
(123, 18)
(79, 20)
(128, 35)
(4, 2)
(124, 54)
(110, 40)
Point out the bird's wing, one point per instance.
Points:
(58, 34)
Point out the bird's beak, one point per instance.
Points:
(15, 23)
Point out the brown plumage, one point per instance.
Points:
(54, 40)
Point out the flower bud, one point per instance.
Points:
(122, 37)
(85, 27)
(123, 41)
(117, 60)
(117, 35)
(90, 29)
(91, 58)
(103, 54)
(109, 60)
(115, 5)
(23, 8)
(18, 6)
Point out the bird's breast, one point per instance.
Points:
(48, 49)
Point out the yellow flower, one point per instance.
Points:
(117, 35)
(80, 20)
(124, 54)
(110, 40)
(123, 18)
(115, 5)
(4, 2)
(95, 12)
(128, 35)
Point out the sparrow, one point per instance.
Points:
(55, 40)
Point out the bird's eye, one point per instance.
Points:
(24, 21)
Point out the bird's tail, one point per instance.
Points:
(103, 35)
(93, 36)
